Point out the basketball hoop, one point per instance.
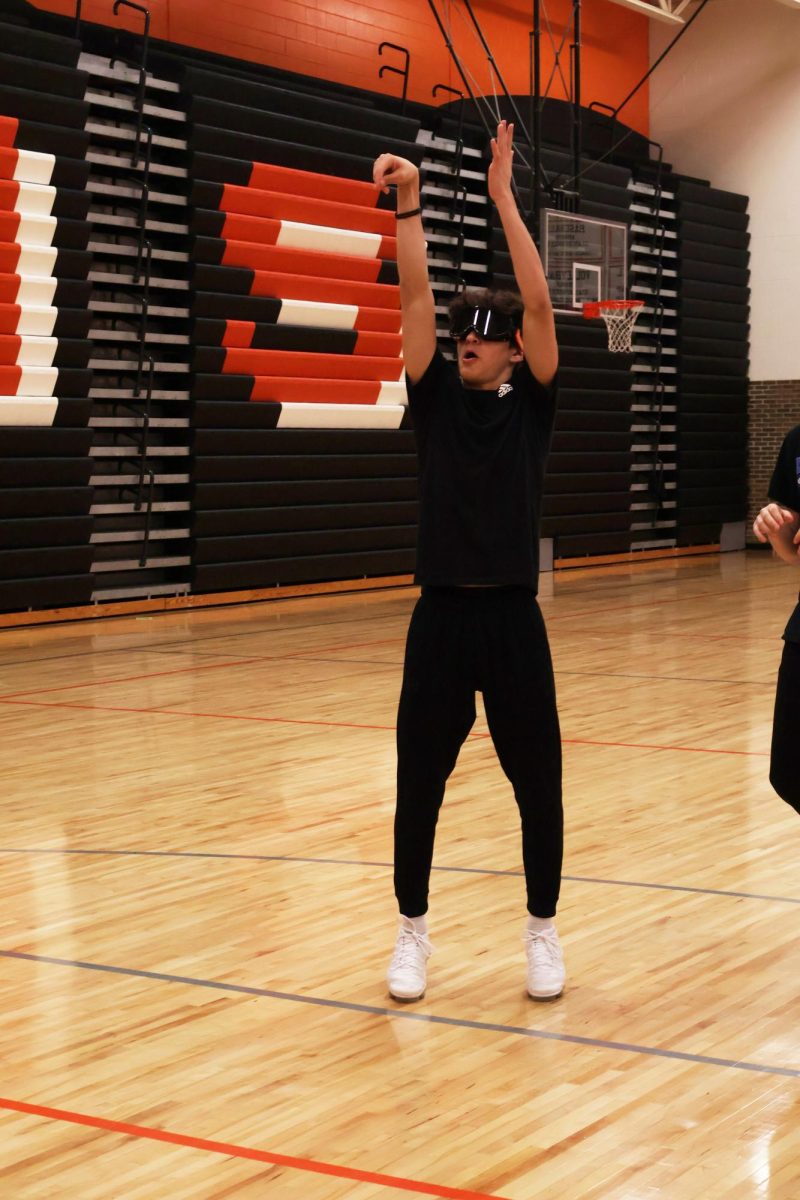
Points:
(620, 318)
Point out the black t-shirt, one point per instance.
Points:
(785, 488)
(482, 456)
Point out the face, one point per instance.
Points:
(483, 364)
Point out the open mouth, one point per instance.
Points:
(469, 356)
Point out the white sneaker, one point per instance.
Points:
(406, 975)
(546, 974)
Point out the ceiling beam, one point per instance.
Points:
(655, 11)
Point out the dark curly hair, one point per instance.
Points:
(501, 300)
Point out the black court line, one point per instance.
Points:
(357, 862)
(405, 1014)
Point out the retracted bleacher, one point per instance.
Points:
(45, 465)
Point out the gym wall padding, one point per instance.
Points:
(712, 360)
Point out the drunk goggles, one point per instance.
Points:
(487, 323)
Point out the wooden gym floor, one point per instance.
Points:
(197, 911)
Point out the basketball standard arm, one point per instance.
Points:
(538, 324)
(780, 527)
(416, 297)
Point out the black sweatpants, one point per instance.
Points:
(784, 773)
(462, 641)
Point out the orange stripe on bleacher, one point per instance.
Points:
(309, 365)
(301, 262)
(9, 190)
(330, 291)
(9, 257)
(9, 380)
(312, 210)
(9, 128)
(10, 344)
(256, 230)
(311, 183)
(388, 248)
(9, 287)
(385, 320)
(9, 317)
(321, 391)
(238, 333)
(9, 225)
(386, 345)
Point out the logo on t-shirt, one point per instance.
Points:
(505, 388)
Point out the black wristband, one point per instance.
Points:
(412, 212)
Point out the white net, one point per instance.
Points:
(619, 323)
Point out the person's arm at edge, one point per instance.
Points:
(538, 323)
(416, 297)
(780, 526)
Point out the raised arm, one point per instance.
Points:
(780, 527)
(538, 325)
(416, 297)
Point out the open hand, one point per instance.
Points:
(499, 175)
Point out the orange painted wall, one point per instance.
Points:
(339, 39)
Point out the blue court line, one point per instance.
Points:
(406, 1014)
(356, 862)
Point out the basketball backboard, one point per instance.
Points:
(585, 259)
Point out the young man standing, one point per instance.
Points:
(483, 430)
(779, 524)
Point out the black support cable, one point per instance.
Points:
(458, 65)
(490, 57)
(661, 57)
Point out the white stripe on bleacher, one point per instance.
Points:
(334, 241)
(393, 393)
(37, 381)
(37, 351)
(340, 416)
(36, 291)
(37, 321)
(36, 260)
(316, 312)
(36, 231)
(27, 410)
(34, 167)
(35, 200)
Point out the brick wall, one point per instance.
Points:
(774, 408)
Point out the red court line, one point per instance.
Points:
(179, 712)
(231, 1150)
(68, 687)
(650, 746)
(238, 662)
